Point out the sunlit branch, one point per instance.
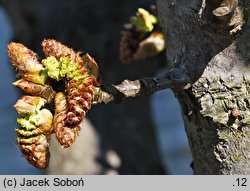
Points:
(176, 79)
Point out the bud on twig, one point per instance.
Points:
(33, 89)
(26, 61)
(27, 105)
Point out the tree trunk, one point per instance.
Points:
(209, 40)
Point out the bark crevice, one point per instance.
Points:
(213, 47)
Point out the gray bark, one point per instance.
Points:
(209, 40)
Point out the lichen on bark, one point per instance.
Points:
(214, 51)
(219, 99)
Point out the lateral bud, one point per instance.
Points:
(34, 89)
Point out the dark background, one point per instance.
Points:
(117, 138)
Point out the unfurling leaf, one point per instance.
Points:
(141, 38)
(143, 21)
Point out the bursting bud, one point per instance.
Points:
(28, 105)
(143, 21)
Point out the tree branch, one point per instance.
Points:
(175, 78)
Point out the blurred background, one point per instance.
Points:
(139, 136)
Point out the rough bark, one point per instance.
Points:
(209, 40)
(94, 27)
